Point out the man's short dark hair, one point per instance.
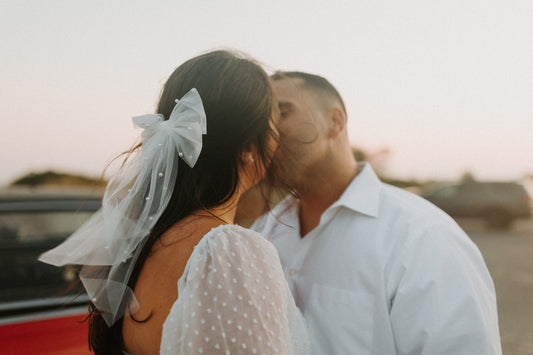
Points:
(312, 82)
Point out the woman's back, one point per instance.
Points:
(156, 289)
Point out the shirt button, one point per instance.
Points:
(292, 272)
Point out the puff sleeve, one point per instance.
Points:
(233, 299)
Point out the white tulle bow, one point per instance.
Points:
(109, 243)
(184, 128)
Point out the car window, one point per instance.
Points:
(446, 192)
(472, 190)
(39, 226)
(511, 190)
(23, 237)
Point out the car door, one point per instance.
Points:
(41, 306)
(472, 199)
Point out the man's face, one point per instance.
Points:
(302, 130)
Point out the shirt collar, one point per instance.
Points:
(362, 195)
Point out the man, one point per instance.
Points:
(374, 269)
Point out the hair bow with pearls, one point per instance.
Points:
(183, 129)
(109, 243)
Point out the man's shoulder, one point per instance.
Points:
(421, 221)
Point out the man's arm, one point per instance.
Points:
(445, 302)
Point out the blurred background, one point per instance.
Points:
(439, 98)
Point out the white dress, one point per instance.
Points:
(233, 299)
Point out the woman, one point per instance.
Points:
(167, 220)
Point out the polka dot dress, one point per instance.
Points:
(233, 299)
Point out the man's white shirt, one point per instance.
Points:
(385, 272)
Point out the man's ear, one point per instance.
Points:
(337, 122)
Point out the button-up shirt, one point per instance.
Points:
(385, 272)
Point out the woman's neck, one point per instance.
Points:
(224, 212)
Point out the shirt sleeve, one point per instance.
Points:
(233, 299)
(445, 301)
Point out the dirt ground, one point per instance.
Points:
(509, 257)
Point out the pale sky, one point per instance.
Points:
(446, 86)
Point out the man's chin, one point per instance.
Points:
(282, 176)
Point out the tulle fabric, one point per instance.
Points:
(109, 243)
(233, 299)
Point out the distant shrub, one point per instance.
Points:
(54, 178)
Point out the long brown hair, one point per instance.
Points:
(239, 106)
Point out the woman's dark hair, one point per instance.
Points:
(239, 106)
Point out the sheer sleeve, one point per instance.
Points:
(233, 299)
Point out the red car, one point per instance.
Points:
(48, 332)
(39, 310)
